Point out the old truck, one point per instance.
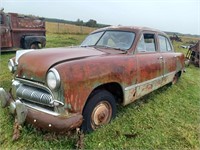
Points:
(19, 31)
(63, 88)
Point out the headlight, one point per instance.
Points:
(11, 66)
(53, 79)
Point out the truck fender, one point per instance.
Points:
(28, 42)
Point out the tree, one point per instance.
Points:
(91, 23)
(79, 22)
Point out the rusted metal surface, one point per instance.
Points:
(193, 54)
(83, 70)
(14, 28)
(175, 37)
(53, 57)
(53, 123)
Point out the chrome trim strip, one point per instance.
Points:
(41, 97)
(146, 82)
(13, 67)
(171, 73)
(56, 101)
(42, 110)
(35, 84)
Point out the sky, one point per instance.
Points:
(167, 15)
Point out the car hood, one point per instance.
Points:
(35, 64)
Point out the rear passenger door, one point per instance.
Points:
(169, 57)
(149, 64)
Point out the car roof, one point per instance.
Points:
(129, 28)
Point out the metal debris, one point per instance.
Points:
(175, 37)
(192, 56)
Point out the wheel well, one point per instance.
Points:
(114, 88)
(27, 41)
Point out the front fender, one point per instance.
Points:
(80, 77)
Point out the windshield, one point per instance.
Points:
(92, 39)
(121, 40)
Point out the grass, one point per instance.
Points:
(53, 27)
(62, 40)
(167, 118)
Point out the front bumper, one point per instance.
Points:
(39, 117)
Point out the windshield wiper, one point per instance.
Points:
(87, 45)
(106, 46)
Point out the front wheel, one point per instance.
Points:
(35, 46)
(99, 110)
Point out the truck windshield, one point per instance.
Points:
(120, 40)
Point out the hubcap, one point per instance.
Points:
(101, 114)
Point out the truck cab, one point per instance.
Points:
(19, 31)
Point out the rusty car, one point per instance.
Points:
(61, 89)
(21, 31)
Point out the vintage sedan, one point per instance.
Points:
(61, 89)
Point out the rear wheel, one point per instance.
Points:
(176, 77)
(99, 110)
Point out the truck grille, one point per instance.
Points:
(34, 94)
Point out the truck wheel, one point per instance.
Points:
(34, 46)
(99, 110)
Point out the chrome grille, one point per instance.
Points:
(34, 94)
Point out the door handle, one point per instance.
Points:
(160, 57)
(175, 56)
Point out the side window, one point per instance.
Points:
(147, 43)
(164, 44)
(141, 45)
(169, 48)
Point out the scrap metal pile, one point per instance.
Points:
(193, 54)
(175, 37)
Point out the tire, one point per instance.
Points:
(175, 79)
(34, 46)
(99, 110)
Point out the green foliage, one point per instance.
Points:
(167, 118)
(91, 23)
(79, 22)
